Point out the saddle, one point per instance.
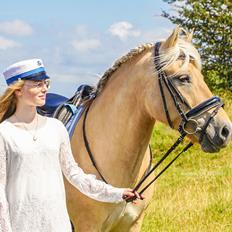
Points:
(67, 110)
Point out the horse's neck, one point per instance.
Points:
(120, 127)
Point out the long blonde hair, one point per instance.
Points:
(8, 100)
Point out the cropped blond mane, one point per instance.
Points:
(134, 52)
(183, 49)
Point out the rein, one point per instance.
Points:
(188, 124)
(91, 154)
(87, 144)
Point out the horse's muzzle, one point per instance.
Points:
(216, 137)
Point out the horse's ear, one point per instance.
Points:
(172, 39)
(189, 36)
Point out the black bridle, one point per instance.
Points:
(188, 124)
(187, 118)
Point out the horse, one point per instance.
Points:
(121, 119)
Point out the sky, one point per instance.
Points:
(77, 40)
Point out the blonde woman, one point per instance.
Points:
(34, 152)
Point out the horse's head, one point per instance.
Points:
(188, 104)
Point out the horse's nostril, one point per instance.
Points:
(225, 132)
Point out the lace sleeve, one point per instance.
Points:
(86, 183)
(5, 225)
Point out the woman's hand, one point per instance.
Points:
(130, 196)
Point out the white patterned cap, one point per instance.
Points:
(32, 69)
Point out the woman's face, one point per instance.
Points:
(33, 93)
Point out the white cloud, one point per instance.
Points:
(86, 45)
(81, 30)
(16, 27)
(123, 30)
(7, 43)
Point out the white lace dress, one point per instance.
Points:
(32, 194)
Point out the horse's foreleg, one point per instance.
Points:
(136, 227)
(132, 218)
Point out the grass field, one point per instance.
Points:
(195, 193)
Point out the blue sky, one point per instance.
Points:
(77, 40)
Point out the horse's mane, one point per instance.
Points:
(108, 73)
(183, 49)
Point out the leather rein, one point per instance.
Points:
(188, 125)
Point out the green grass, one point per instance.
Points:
(195, 193)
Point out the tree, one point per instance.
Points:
(212, 24)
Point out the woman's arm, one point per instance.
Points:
(86, 183)
(5, 225)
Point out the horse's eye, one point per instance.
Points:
(184, 79)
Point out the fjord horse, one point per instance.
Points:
(120, 123)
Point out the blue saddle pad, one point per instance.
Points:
(53, 100)
(55, 104)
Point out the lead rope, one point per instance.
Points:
(179, 140)
(167, 166)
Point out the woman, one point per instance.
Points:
(34, 151)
